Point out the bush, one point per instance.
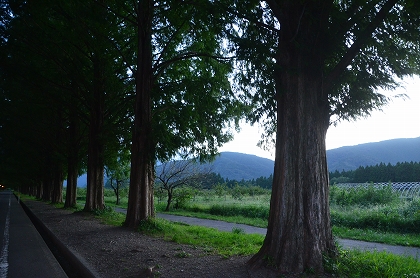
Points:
(360, 195)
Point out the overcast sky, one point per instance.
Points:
(399, 119)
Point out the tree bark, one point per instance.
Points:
(95, 167)
(299, 227)
(168, 204)
(140, 198)
(72, 159)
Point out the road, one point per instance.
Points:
(23, 252)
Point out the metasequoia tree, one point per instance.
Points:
(305, 65)
(183, 100)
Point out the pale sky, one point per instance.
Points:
(399, 119)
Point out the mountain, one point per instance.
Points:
(389, 151)
(238, 166)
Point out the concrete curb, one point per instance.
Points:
(76, 263)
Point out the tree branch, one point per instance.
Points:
(357, 45)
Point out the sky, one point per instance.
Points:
(399, 119)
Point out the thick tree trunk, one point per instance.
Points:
(299, 228)
(140, 198)
(57, 192)
(95, 167)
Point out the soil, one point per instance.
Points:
(110, 251)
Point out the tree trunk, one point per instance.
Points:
(117, 192)
(57, 191)
(168, 204)
(39, 190)
(299, 228)
(95, 167)
(47, 178)
(72, 158)
(140, 198)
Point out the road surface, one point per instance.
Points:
(23, 252)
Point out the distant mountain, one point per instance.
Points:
(389, 151)
(238, 166)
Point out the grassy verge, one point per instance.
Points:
(223, 243)
(356, 264)
(412, 240)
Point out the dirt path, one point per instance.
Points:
(346, 243)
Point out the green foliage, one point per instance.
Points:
(360, 195)
(236, 192)
(400, 172)
(220, 189)
(183, 195)
(246, 211)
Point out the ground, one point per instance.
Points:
(120, 252)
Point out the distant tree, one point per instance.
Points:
(220, 189)
(177, 173)
(119, 172)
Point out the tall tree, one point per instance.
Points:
(305, 65)
(183, 99)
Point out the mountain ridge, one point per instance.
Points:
(240, 166)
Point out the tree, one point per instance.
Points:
(174, 174)
(307, 65)
(119, 172)
(183, 99)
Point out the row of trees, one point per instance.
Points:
(88, 86)
(400, 172)
(84, 82)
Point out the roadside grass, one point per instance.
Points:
(356, 264)
(412, 240)
(224, 243)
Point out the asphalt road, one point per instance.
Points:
(23, 252)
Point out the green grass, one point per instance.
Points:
(223, 243)
(412, 240)
(357, 264)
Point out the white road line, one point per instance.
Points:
(4, 265)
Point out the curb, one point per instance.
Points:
(74, 263)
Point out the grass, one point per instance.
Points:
(412, 240)
(224, 243)
(356, 264)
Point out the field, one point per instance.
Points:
(365, 213)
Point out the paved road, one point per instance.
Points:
(23, 252)
(346, 243)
